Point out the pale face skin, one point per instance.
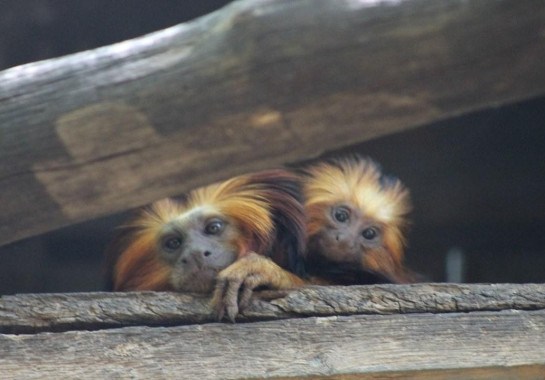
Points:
(198, 246)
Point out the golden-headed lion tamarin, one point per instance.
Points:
(356, 218)
(219, 237)
(237, 235)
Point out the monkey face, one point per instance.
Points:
(197, 246)
(346, 235)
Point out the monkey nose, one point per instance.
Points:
(199, 257)
(196, 259)
(192, 260)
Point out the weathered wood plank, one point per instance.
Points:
(28, 313)
(257, 84)
(507, 341)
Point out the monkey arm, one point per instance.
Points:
(236, 283)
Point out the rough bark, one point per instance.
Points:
(496, 345)
(254, 85)
(30, 313)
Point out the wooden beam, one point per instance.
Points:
(31, 313)
(427, 331)
(254, 85)
(501, 344)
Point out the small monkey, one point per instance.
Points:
(356, 218)
(227, 238)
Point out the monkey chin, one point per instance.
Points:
(326, 247)
(197, 281)
(337, 263)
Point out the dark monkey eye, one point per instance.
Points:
(172, 244)
(369, 233)
(214, 227)
(341, 214)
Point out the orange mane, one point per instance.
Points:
(360, 182)
(257, 208)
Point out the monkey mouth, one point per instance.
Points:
(199, 281)
(198, 273)
(335, 250)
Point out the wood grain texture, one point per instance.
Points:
(254, 85)
(30, 313)
(509, 342)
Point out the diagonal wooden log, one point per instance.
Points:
(30, 313)
(254, 85)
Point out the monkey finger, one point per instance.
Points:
(230, 298)
(245, 297)
(217, 304)
(250, 283)
(218, 298)
(232, 312)
(220, 313)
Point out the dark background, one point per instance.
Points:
(33, 30)
(477, 181)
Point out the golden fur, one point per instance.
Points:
(257, 209)
(359, 182)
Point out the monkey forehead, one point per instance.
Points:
(376, 204)
(364, 193)
(368, 203)
(198, 213)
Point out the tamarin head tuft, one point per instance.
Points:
(184, 244)
(356, 219)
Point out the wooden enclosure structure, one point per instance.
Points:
(430, 331)
(257, 84)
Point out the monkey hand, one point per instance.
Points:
(236, 283)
